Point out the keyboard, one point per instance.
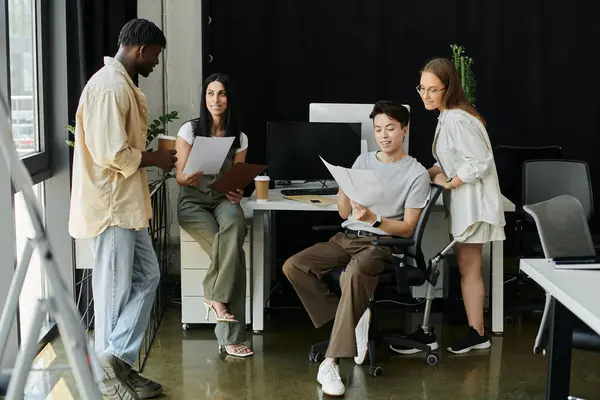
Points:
(310, 192)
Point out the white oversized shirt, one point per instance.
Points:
(462, 148)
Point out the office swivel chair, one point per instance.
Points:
(544, 180)
(564, 232)
(509, 161)
(399, 281)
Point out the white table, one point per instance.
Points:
(575, 292)
(262, 254)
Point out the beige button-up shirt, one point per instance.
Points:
(108, 187)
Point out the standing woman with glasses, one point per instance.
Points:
(465, 168)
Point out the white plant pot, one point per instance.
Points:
(83, 254)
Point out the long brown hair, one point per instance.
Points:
(454, 95)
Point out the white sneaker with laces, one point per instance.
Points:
(362, 337)
(330, 380)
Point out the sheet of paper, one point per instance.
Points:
(207, 155)
(362, 186)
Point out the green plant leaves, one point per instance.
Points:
(464, 66)
(157, 127)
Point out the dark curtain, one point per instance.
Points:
(92, 34)
(103, 20)
(535, 63)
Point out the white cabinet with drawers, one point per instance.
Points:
(194, 265)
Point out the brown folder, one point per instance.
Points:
(238, 177)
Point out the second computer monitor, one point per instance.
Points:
(347, 112)
(293, 148)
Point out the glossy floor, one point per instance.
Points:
(189, 367)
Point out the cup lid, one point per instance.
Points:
(262, 178)
(167, 137)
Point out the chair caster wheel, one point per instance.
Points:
(375, 371)
(432, 359)
(508, 320)
(315, 357)
(184, 327)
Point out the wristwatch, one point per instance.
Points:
(377, 222)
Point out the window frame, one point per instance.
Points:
(58, 88)
(7, 228)
(39, 163)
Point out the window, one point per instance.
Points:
(34, 79)
(25, 87)
(34, 286)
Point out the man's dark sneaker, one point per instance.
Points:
(418, 336)
(116, 383)
(144, 387)
(473, 341)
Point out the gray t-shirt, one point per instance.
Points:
(405, 184)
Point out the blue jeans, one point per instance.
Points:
(124, 281)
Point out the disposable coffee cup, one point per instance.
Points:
(166, 143)
(262, 187)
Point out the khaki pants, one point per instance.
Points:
(220, 230)
(364, 262)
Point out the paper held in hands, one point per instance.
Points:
(207, 155)
(359, 185)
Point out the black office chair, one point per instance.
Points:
(563, 230)
(546, 179)
(509, 161)
(509, 164)
(399, 280)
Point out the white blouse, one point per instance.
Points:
(186, 132)
(462, 148)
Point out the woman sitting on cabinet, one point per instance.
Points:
(216, 220)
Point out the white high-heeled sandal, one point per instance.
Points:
(225, 316)
(237, 351)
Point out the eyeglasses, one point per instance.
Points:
(430, 91)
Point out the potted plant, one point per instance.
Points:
(464, 66)
(155, 128)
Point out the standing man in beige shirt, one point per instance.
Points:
(110, 204)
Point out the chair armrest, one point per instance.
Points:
(393, 242)
(327, 228)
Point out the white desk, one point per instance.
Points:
(575, 292)
(262, 252)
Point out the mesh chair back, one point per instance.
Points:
(415, 251)
(562, 226)
(546, 179)
(507, 158)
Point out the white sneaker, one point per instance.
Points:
(362, 337)
(330, 380)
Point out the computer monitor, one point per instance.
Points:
(347, 112)
(293, 148)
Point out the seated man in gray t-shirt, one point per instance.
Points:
(406, 186)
